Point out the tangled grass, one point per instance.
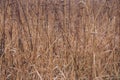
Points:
(59, 39)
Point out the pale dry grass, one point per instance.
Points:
(59, 40)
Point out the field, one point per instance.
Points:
(59, 39)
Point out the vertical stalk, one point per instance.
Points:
(93, 72)
(29, 32)
(37, 31)
(20, 44)
(2, 43)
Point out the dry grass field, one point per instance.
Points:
(59, 39)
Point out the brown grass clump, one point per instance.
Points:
(59, 39)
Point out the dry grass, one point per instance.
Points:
(60, 39)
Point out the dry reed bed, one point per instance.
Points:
(59, 40)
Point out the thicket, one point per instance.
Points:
(59, 39)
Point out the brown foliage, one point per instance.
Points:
(59, 40)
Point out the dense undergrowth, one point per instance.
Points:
(59, 39)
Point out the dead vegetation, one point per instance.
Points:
(59, 39)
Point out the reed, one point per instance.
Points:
(59, 40)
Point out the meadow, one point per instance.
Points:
(59, 39)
